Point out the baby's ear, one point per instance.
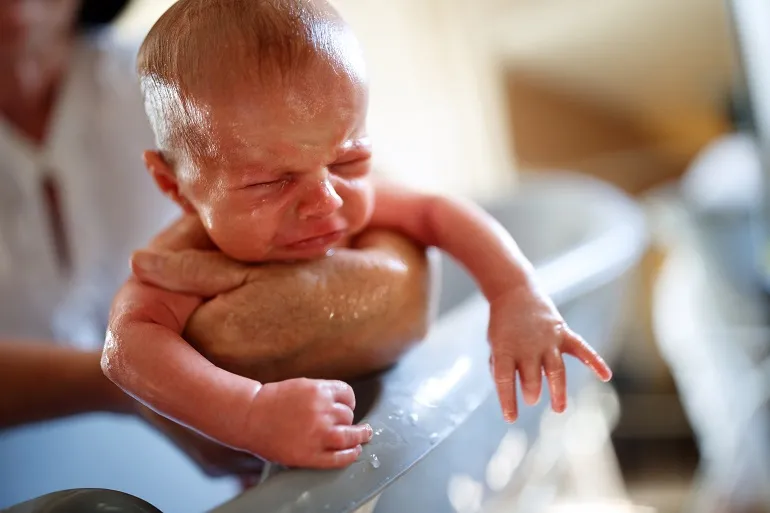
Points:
(165, 178)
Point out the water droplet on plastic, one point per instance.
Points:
(378, 432)
(374, 461)
(433, 438)
(413, 418)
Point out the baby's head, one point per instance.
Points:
(259, 111)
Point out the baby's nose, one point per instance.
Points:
(321, 200)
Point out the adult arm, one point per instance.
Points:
(40, 381)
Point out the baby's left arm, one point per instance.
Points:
(526, 332)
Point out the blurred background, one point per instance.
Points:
(656, 97)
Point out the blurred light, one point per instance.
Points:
(552, 423)
(586, 433)
(500, 469)
(465, 494)
(610, 405)
(369, 507)
(432, 391)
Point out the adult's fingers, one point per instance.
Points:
(348, 437)
(504, 372)
(574, 345)
(202, 273)
(557, 379)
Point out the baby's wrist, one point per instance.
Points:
(241, 435)
(513, 283)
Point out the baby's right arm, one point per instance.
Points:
(297, 422)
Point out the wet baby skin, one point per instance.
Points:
(266, 144)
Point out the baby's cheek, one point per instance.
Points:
(358, 203)
(239, 234)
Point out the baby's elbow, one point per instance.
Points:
(113, 360)
(110, 358)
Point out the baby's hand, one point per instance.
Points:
(528, 335)
(305, 423)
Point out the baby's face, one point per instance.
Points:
(286, 175)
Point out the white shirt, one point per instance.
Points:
(110, 204)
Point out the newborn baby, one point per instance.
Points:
(259, 109)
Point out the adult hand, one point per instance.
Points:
(340, 317)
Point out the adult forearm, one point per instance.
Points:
(384, 300)
(363, 317)
(340, 317)
(41, 381)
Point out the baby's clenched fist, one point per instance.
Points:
(305, 423)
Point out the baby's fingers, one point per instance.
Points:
(531, 380)
(342, 414)
(348, 437)
(338, 459)
(557, 379)
(504, 372)
(342, 393)
(575, 345)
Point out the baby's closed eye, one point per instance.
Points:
(271, 183)
(352, 168)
